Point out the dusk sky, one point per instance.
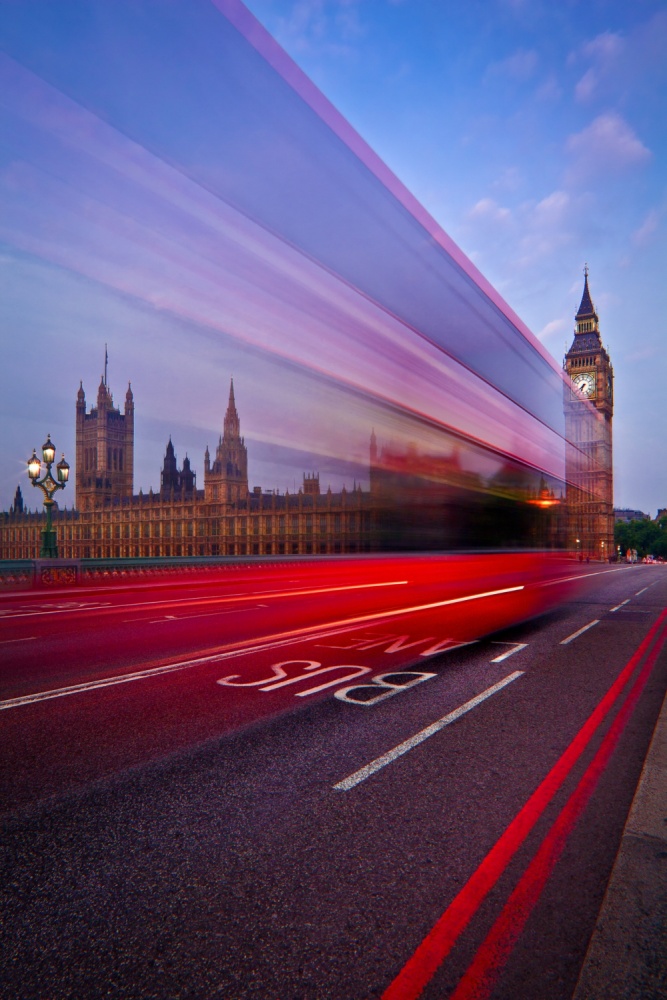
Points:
(532, 132)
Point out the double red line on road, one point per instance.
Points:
(479, 979)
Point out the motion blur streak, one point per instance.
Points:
(420, 968)
(481, 976)
(244, 206)
(513, 590)
(208, 601)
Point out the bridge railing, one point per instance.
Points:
(28, 574)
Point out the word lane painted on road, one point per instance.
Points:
(370, 649)
(375, 689)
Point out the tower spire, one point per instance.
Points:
(106, 365)
(227, 477)
(232, 424)
(586, 309)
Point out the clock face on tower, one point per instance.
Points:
(585, 382)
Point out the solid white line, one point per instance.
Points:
(580, 631)
(30, 699)
(620, 605)
(245, 647)
(510, 652)
(28, 638)
(376, 765)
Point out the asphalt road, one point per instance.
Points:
(362, 808)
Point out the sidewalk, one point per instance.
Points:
(627, 954)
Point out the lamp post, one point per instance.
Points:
(48, 485)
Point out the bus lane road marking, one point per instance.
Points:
(374, 647)
(248, 646)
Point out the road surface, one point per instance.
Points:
(342, 799)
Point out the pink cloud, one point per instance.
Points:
(608, 143)
(489, 210)
(587, 86)
(608, 45)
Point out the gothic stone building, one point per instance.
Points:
(224, 518)
(415, 501)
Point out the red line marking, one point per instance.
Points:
(429, 955)
(484, 971)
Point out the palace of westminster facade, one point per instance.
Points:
(225, 518)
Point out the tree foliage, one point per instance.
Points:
(649, 538)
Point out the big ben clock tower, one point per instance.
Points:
(588, 418)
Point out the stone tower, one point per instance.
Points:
(588, 428)
(175, 482)
(226, 479)
(104, 447)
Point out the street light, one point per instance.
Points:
(48, 485)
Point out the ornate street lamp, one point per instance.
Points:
(48, 485)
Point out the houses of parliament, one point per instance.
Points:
(414, 501)
(224, 518)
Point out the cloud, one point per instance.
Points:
(607, 144)
(547, 226)
(511, 179)
(488, 210)
(606, 46)
(524, 236)
(550, 90)
(549, 332)
(587, 86)
(604, 51)
(623, 68)
(520, 66)
(551, 210)
(322, 25)
(644, 235)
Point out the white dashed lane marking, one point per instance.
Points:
(579, 632)
(376, 765)
(510, 652)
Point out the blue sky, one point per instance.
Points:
(532, 132)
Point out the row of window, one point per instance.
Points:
(323, 524)
(587, 362)
(114, 459)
